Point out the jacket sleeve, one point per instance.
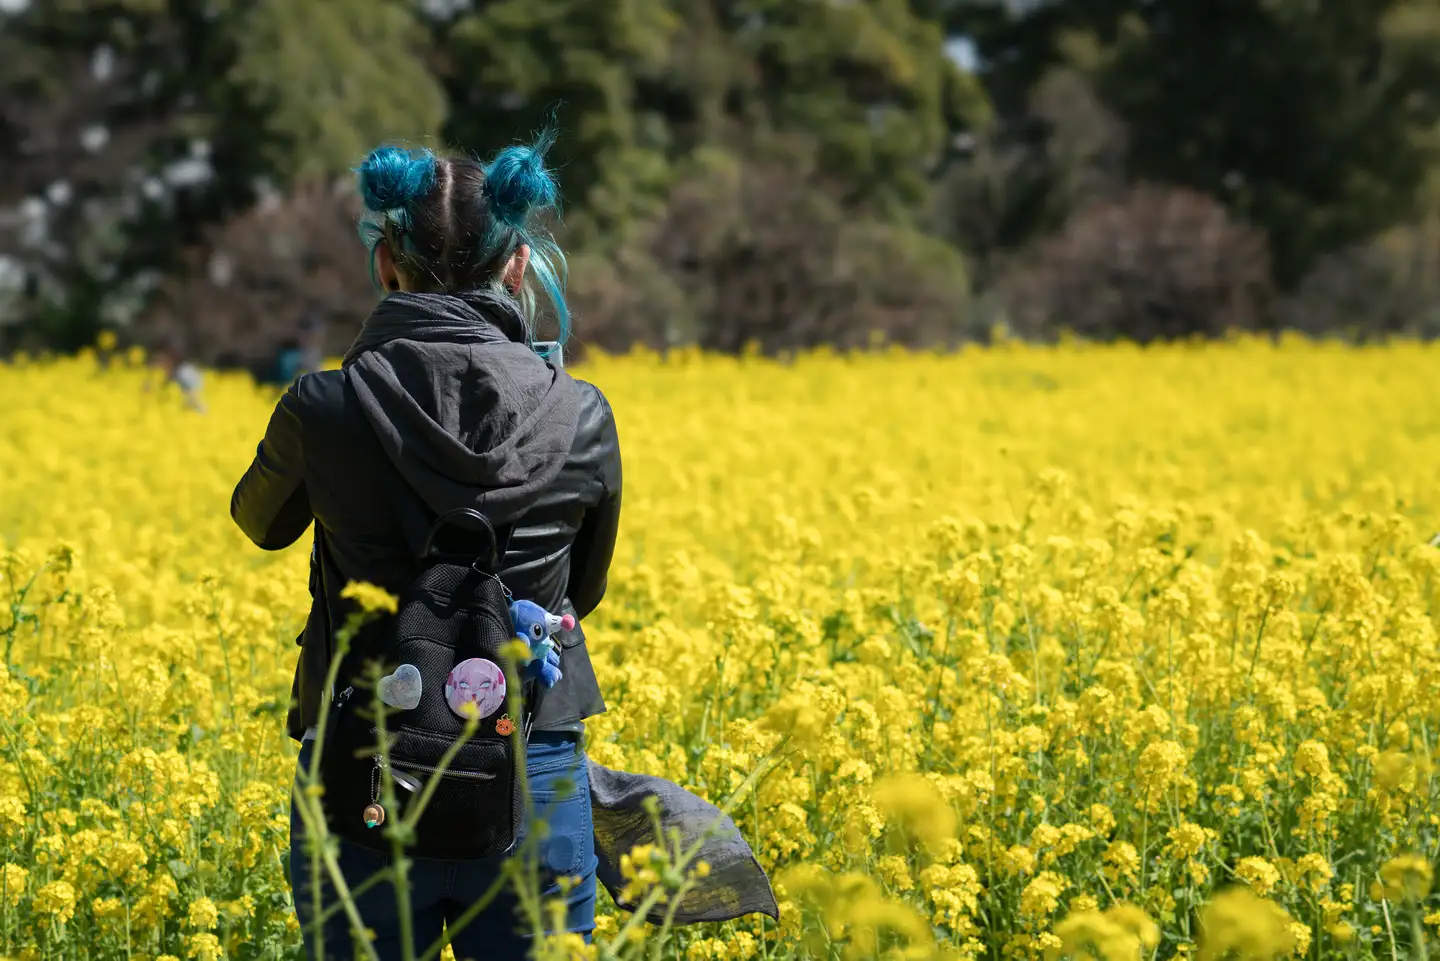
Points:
(595, 541)
(270, 504)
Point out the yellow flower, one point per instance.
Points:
(12, 815)
(1101, 818)
(1121, 933)
(1137, 922)
(1315, 870)
(57, 900)
(1301, 935)
(1089, 616)
(1042, 895)
(203, 914)
(1237, 925)
(203, 947)
(1162, 765)
(107, 907)
(564, 947)
(1406, 878)
(1312, 759)
(1188, 839)
(912, 803)
(1260, 874)
(1122, 862)
(643, 867)
(371, 599)
(517, 651)
(12, 883)
(1018, 859)
(895, 872)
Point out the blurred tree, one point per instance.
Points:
(1030, 172)
(128, 127)
(256, 276)
(1314, 120)
(1380, 288)
(1153, 263)
(507, 63)
(870, 82)
(86, 115)
(757, 247)
(645, 82)
(332, 78)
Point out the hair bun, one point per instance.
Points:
(518, 182)
(393, 177)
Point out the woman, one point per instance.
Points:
(441, 403)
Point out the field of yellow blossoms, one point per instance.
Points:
(1058, 652)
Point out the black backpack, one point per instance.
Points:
(456, 610)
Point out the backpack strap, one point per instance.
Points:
(421, 527)
(495, 542)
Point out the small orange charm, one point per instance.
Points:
(505, 727)
(374, 816)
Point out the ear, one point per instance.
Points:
(385, 269)
(514, 274)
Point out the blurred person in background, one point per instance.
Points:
(170, 361)
(312, 342)
(302, 354)
(289, 363)
(442, 403)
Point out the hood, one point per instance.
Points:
(469, 415)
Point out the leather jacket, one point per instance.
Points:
(320, 460)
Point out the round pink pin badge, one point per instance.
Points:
(475, 685)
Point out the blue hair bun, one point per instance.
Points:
(393, 177)
(518, 182)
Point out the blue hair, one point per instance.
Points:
(392, 178)
(453, 224)
(519, 186)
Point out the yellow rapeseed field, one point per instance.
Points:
(1079, 651)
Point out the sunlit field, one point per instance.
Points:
(1088, 652)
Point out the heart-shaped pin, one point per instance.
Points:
(401, 689)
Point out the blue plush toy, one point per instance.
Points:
(534, 625)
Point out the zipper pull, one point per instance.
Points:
(344, 695)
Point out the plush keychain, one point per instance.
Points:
(535, 626)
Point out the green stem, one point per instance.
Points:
(668, 921)
(403, 828)
(464, 919)
(315, 832)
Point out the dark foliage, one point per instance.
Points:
(144, 144)
(256, 281)
(1155, 263)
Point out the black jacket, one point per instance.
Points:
(322, 458)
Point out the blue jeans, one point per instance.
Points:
(442, 890)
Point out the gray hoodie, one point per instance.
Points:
(488, 426)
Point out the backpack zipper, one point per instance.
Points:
(404, 780)
(407, 766)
